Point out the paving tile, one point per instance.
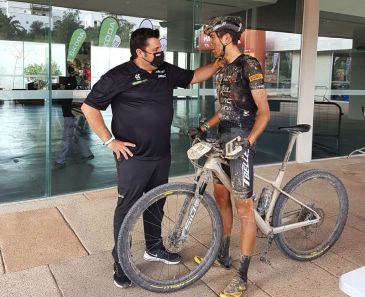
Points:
(37, 282)
(33, 238)
(1, 264)
(92, 221)
(217, 278)
(113, 192)
(356, 222)
(92, 276)
(334, 264)
(350, 246)
(40, 203)
(285, 277)
(183, 179)
(102, 194)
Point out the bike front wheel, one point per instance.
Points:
(204, 238)
(322, 192)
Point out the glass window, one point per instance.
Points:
(24, 81)
(340, 95)
(53, 55)
(273, 36)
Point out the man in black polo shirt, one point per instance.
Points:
(140, 93)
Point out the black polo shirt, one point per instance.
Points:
(142, 105)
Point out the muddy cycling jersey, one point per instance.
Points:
(234, 84)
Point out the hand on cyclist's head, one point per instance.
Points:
(196, 132)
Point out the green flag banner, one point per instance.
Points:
(77, 39)
(108, 29)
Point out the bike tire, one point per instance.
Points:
(124, 247)
(329, 184)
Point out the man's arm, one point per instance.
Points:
(263, 116)
(203, 73)
(97, 124)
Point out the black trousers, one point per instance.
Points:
(136, 177)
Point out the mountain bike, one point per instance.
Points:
(305, 217)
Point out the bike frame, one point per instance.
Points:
(214, 164)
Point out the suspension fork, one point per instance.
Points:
(201, 182)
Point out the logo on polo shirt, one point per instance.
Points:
(137, 76)
(161, 73)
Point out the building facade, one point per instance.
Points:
(312, 52)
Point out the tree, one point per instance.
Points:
(92, 35)
(124, 31)
(63, 29)
(38, 72)
(10, 29)
(37, 31)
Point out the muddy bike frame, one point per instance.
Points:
(214, 164)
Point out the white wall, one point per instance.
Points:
(295, 73)
(357, 83)
(323, 71)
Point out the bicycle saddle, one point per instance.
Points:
(297, 128)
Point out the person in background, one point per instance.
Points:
(73, 124)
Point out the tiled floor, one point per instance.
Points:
(61, 247)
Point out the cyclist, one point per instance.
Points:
(244, 112)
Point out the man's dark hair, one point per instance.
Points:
(235, 35)
(139, 39)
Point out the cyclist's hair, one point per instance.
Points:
(139, 39)
(235, 35)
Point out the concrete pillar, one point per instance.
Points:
(307, 78)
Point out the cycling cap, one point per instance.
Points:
(223, 23)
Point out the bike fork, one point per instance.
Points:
(199, 192)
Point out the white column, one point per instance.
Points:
(307, 78)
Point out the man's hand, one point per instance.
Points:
(220, 63)
(245, 143)
(121, 148)
(196, 131)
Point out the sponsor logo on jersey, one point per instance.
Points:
(255, 77)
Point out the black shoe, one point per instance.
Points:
(88, 157)
(162, 255)
(59, 165)
(120, 279)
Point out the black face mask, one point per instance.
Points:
(158, 59)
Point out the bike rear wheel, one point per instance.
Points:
(326, 194)
(204, 239)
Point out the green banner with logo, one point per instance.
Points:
(108, 29)
(77, 39)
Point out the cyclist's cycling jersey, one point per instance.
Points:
(234, 84)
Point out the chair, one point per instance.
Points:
(360, 151)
